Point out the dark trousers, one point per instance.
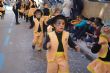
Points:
(31, 22)
(26, 16)
(16, 15)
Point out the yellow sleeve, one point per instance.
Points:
(104, 47)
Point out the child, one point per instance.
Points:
(102, 63)
(21, 11)
(50, 26)
(38, 30)
(26, 12)
(46, 16)
(2, 10)
(31, 14)
(46, 12)
(56, 44)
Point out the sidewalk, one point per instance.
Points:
(86, 51)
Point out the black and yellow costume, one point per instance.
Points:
(46, 16)
(38, 33)
(2, 10)
(33, 8)
(57, 54)
(102, 63)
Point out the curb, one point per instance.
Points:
(86, 51)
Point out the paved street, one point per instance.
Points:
(17, 56)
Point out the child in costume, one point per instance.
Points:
(50, 23)
(56, 45)
(21, 10)
(2, 10)
(46, 16)
(32, 9)
(46, 13)
(38, 30)
(102, 63)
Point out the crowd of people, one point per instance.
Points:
(51, 30)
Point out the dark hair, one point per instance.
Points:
(96, 47)
(81, 16)
(38, 11)
(45, 3)
(92, 19)
(59, 17)
(98, 21)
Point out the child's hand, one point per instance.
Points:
(77, 48)
(48, 45)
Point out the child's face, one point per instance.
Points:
(46, 5)
(107, 29)
(38, 15)
(57, 13)
(59, 25)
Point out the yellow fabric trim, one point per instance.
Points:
(58, 54)
(0, 13)
(89, 69)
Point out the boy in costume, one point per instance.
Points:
(38, 30)
(56, 45)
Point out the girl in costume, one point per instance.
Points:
(38, 30)
(102, 63)
(50, 23)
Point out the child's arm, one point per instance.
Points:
(73, 45)
(46, 44)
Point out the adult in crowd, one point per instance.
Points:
(77, 8)
(16, 7)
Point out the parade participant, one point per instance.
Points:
(56, 44)
(21, 11)
(2, 10)
(26, 12)
(38, 30)
(31, 14)
(102, 63)
(16, 6)
(50, 21)
(32, 9)
(46, 16)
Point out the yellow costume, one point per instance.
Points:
(57, 61)
(102, 63)
(38, 36)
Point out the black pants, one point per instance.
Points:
(16, 15)
(26, 16)
(20, 15)
(31, 22)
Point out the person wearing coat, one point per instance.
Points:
(16, 7)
